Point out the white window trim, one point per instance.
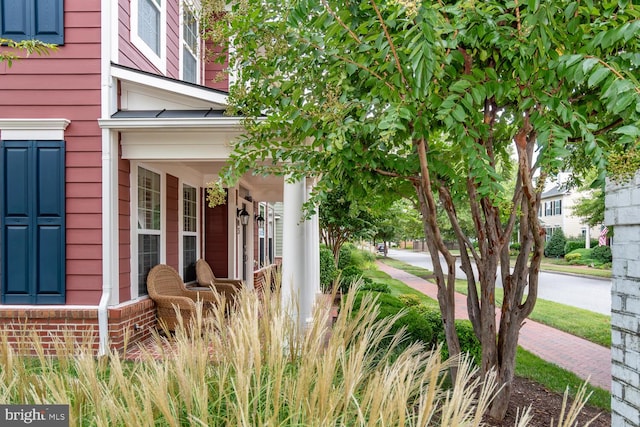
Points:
(160, 62)
(183, 233)
(28, 129)
(192, 7)
(133, 185)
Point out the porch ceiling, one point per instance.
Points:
(201, 140)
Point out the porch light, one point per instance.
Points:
(260, 221)
(243, 215)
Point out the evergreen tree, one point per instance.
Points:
(555, 246)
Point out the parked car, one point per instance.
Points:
(380, 248)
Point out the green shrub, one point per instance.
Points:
(572, 257)
(367, 257)
(345, 256)
(372, 286)
(328, 272)
(572, 245)
(602, 254)
(515, 247)
(417, 327)
(469, 343)
(410, 300)
(555, 246)
(350, 274)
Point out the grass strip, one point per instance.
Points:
(594, 327)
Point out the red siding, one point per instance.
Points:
(130, 56)
(173, 39)
(173, 232)
(66, 84)
(216, 238)
(215, 75)
(124, 224)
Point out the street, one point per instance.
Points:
(592, 294)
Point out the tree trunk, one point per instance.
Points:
(435, 243)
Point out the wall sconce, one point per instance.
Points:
(243, 216)
(260, 221)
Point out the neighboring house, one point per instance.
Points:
(556, 212)
(106, 148)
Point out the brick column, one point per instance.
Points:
(623, 212)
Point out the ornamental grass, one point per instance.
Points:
(254, 365)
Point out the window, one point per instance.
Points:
(32, 19)
(149, 220)
(547, 209)
(190, 44)
(149, 13)
(189, 233)
(148, 30)
(558, 207)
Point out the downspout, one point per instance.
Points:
(107, 184)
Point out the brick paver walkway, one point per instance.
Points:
(574, 354)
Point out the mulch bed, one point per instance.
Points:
(545, 405)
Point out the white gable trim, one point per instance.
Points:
(174, 87)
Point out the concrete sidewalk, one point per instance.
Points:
(574, 354)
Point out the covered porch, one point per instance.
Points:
(161, 148)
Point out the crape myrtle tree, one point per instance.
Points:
(431, 95)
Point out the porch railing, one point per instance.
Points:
(267, 276)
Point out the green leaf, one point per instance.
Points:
(459, 114)
(588, 64)
(598, 75)
(460, 86)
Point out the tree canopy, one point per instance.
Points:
(435, 97)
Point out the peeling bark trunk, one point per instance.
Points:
(499, 340)
(436, 246)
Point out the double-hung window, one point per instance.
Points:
(148, 29)
(149, 225)
(189, 233)
(190, 45)
(558, 207)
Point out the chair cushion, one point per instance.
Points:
(204, 274)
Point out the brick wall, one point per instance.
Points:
(128, 324)
(623, 212)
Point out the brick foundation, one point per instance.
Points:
(128, 324)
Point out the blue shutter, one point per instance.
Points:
(33, 213)
(32, 19)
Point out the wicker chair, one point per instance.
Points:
(205, 277)
(167, 290)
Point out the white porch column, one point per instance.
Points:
(587, 237)
(312, 283)
(294, 263)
